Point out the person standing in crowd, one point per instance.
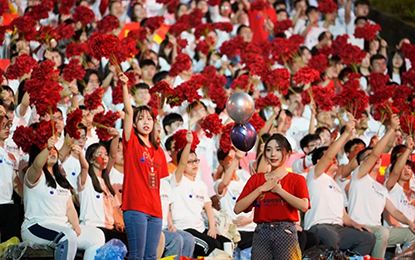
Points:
(368, 199)
(277, 197)
(50, 215)
(144, 165)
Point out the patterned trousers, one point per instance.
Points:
(276, 241)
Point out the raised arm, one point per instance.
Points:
(226, 180)
(185, 155)
(378, 149)
(84, 164)
(269, 123)
(334, 148)
(113, 148)
(24, 105)
(35, 170)
(66, 148)
(246, 4)
(348, 12)
(400, 163)
(128, 109)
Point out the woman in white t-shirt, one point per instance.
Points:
(190, 198)
(50, 215)
(229, 187)
(401, 174)
(96, 194)
(396, 66)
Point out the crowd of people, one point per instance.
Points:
(113, 124)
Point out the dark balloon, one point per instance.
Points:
(243, 137)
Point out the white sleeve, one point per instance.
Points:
(297, 165)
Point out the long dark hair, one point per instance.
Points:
(164, 44)
(153, 135)
(89, 156)
(50, 181)
(402, 69)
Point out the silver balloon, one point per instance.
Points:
(240, 107)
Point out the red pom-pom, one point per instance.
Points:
(270, 100)
(327, 6)
(25, 26)
(94, 100)
(23, 137)
(73, 70)
(180, 64)
(306, 75)
(279, 80)
(75, 49)
(23, 65)
(367, 32)
(65, 31)
(212, 125)
(170, 4)
(225, 138)
(41, 11)
(4, 6)
(203, 29)
(107, 120)
(318, 62)
(352, 55)
(126, 49)
(84, 15)
(42, 133)
(223, 26)
(102, 45)
(242, 83)
(153, 23)
(257, 122)
(282, 26)
(180, 140)
(72, 120)
(108, 24)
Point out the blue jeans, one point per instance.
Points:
(178, 243)
(143, 233)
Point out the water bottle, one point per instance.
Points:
(398, 250)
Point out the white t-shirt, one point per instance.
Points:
(7, 166)
(401, 201)
(117, 180)
(342, 184)
(188, 202)
(166, 198)
(44, 204)
(72, 168)
(311, 39)
(231, 194)
(96, 208)
(92, 139)
(326, 199)
(367, 199)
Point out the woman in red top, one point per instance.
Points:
(144, 165)
(277, 196)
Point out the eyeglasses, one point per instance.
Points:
(58, 118)
(225, 7)
(197, 161)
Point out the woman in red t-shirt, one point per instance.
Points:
(277, 196)
(144, 165)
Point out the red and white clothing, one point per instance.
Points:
(143, 169)
(257, 20)
(270, 207)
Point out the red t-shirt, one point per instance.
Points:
(270, 207)
(141, 187)
(256, 22)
